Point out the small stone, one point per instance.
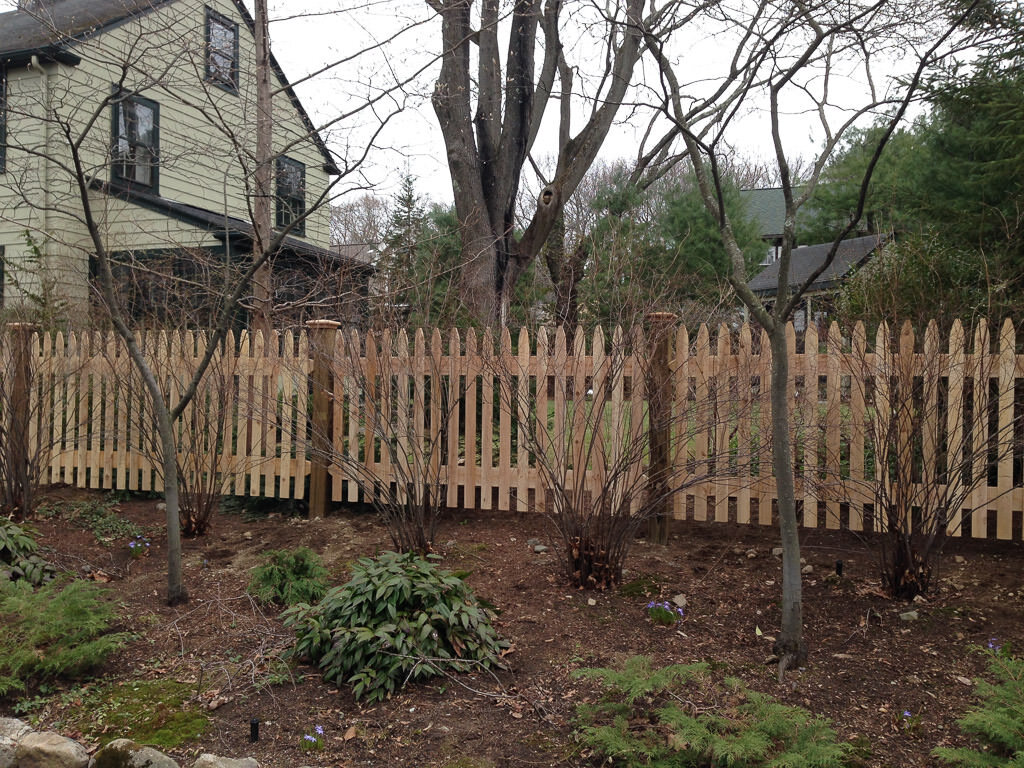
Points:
(49, 750)
(959, 560)
(212, 761)
(909, 616)
(920, 600)
(161, 507)
(532, 542)
(126, 752)
(591, 601)
(679, 601)
(964, 680)
(776, 551)
(247, 535)
(751, 554)
(807, 569)
(803, 561)
(540, 549)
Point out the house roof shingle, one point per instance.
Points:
(851, 253)
(55, 27)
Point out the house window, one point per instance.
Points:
(291, 195)
(221, 51)
(136, 141)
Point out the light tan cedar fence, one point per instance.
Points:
(464, 405)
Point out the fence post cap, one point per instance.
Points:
(328, 324)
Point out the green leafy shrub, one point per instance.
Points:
(56, 631)
(998, 721)
(19, 558)
(289, 577)
(641, 721)
(399, 618)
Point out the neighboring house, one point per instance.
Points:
(159, 96)
(803, 262)
(767, 207)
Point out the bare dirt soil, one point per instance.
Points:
(867, 665)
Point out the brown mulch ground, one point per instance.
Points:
(866, 665)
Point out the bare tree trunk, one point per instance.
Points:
(263, 178)
(790, 646)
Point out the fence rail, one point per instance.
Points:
(466, 405)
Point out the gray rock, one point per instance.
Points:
(807, 569)
(50, 750)
(680, 600)
(11, 729)
(212, 761)
(909, 616)
(125, 753)
(776, 551)
(540, 549)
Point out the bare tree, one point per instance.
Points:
(803, 50)
(931, 442)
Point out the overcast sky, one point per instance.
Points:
(308, 35)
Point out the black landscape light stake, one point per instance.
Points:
(839, 568)
(254, 730)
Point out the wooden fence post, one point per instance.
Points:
(19, 406)
(659, 398)
(322, 337)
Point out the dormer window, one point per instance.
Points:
(221, 51)
(135, 146)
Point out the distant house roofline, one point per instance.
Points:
(850, 254)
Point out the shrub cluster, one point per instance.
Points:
(399, 618)
(55, 631)
(998, 721)
(19, 558)
(289, 577)
(641, 722)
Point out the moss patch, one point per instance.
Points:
(152, 712)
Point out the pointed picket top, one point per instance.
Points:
(882, 340)
(579, 343)
(746, 341)
(542, 352)
(931, 342)
(559, 343)
(859, 341)
(471, 343)
(598, 342)
(723, 342)
(487, 344)
(419, 344)
(703, 339)
(1007, 338)
(811, 338)
(834, 339)
(505, 342)
(981, 337)
(523, 344)
(907, 338)
(436, 345)
(454, 343)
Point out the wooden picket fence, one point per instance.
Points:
(476, 410)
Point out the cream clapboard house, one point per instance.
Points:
(158, 96)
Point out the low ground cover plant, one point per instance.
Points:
(61, 630)
(643, 720)
(399, 618)
(997, 723)
(19, 556)
(289, 576)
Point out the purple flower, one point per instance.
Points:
(307, 737)
(906, 713)
(319, 730)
